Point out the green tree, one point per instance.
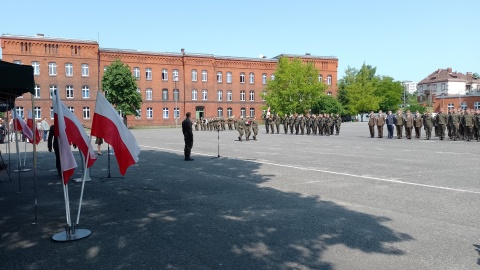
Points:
(347, 80)
(121, 89)
(361, 93)
(295, 88)
(476, 76)
(391, 92)
(328, 104)
(413, 105)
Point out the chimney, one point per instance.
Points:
(40, 35)
(307, 53)
(469, 73)
(183, 51)
(449, 70)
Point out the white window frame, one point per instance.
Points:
(252, 112)
(37, 112)
(329, 80)
(204, 75)
(149, 94)
(164, 94)
(71, 109)
(175, 75)
(229, 77)
(251, 78)
(220, 112)
(176, 94)
(148, 74)
(165, 113)
(272, 77)
(37, 91)
(149, 113)
(219, 76)
(242, 77)
(264, 93)
(204, 94)
(86, 112)
(52, 89)
(176, 113)
(450, 106)
(219, 95)
(36, 68)
(229, 95)
(85, 72)
(476, 105)
(20, 112)
(51, 113)
(85, 91)
(243, 112)
(264, 78)
(320, 78)
(136, 72)
(251, 95)
(194, 94)
(164, 74)
(69, 91)
(229, 112)
(463, 105)
(52, 69)
(194, 75)
(242, 95)
(69, 69)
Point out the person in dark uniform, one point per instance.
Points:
(53, 143)
(188, 136)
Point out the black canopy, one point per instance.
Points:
(15, 80)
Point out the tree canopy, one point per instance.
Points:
(328, 104)
(295, 88)
(121, 88)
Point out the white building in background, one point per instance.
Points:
(410, 86)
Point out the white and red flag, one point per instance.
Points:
(67, 161)
(76, 134)
(108, 125)
(30, 125)
(20, 125)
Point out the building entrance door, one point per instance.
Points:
(199, 112)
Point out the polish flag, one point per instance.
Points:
(67, 163)
(30, 125)
(20, 125)
(268, 112)
(76, 134)
(108, 125)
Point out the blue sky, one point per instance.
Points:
(406, 40)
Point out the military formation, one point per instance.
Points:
(309, 124)
(246, 127)
(456, 124)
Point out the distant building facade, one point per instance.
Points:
(170, 83)
(447, 89)
(409, 86)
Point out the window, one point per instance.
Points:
(164, 94)
(164, 74)
(176, 113)
(229, 112)
(435, 87)
(463, 105)
(148, 74)
(84, 70)
(443, 86)
(52, 69)
(264, 94)
(37, 91)
(18, 62)
(37, 111)
(220, 112)
(450, 106)
(219, 95)
(85, 91)
(105, 68)
(194, 75)
(242, 112)
(68, 70)
(204, 94)
(71, 109)
(329, 93)
(320, 78)
(176, 94)
(242, 77)
(219, 77)
(194, 94)
(252, 112)
(165, 113)
(36, 68)
(252, 95)
(476, 105)
(20, 112)
(136, 72)
(69, 91)
(204, 75)
(229, 77)
(329, 80)
(53, 89)
(175, 75)
(229, 95)
(149, 94)
(51, 113)
(251, 78)
(242, 95)
(272, 77)
(149, 113)
(86, 112)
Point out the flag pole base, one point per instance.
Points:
(22, 169)
(71, 233)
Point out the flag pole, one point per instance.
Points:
(34, 126)
(83, 185)
(19, 161)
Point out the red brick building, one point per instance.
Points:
(170, 83)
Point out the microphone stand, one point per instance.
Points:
(218, 144)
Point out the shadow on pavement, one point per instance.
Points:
(171, 214)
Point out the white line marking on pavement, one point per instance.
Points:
(337, 173)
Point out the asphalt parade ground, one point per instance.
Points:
(281, 202)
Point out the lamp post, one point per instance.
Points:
(175, 96)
